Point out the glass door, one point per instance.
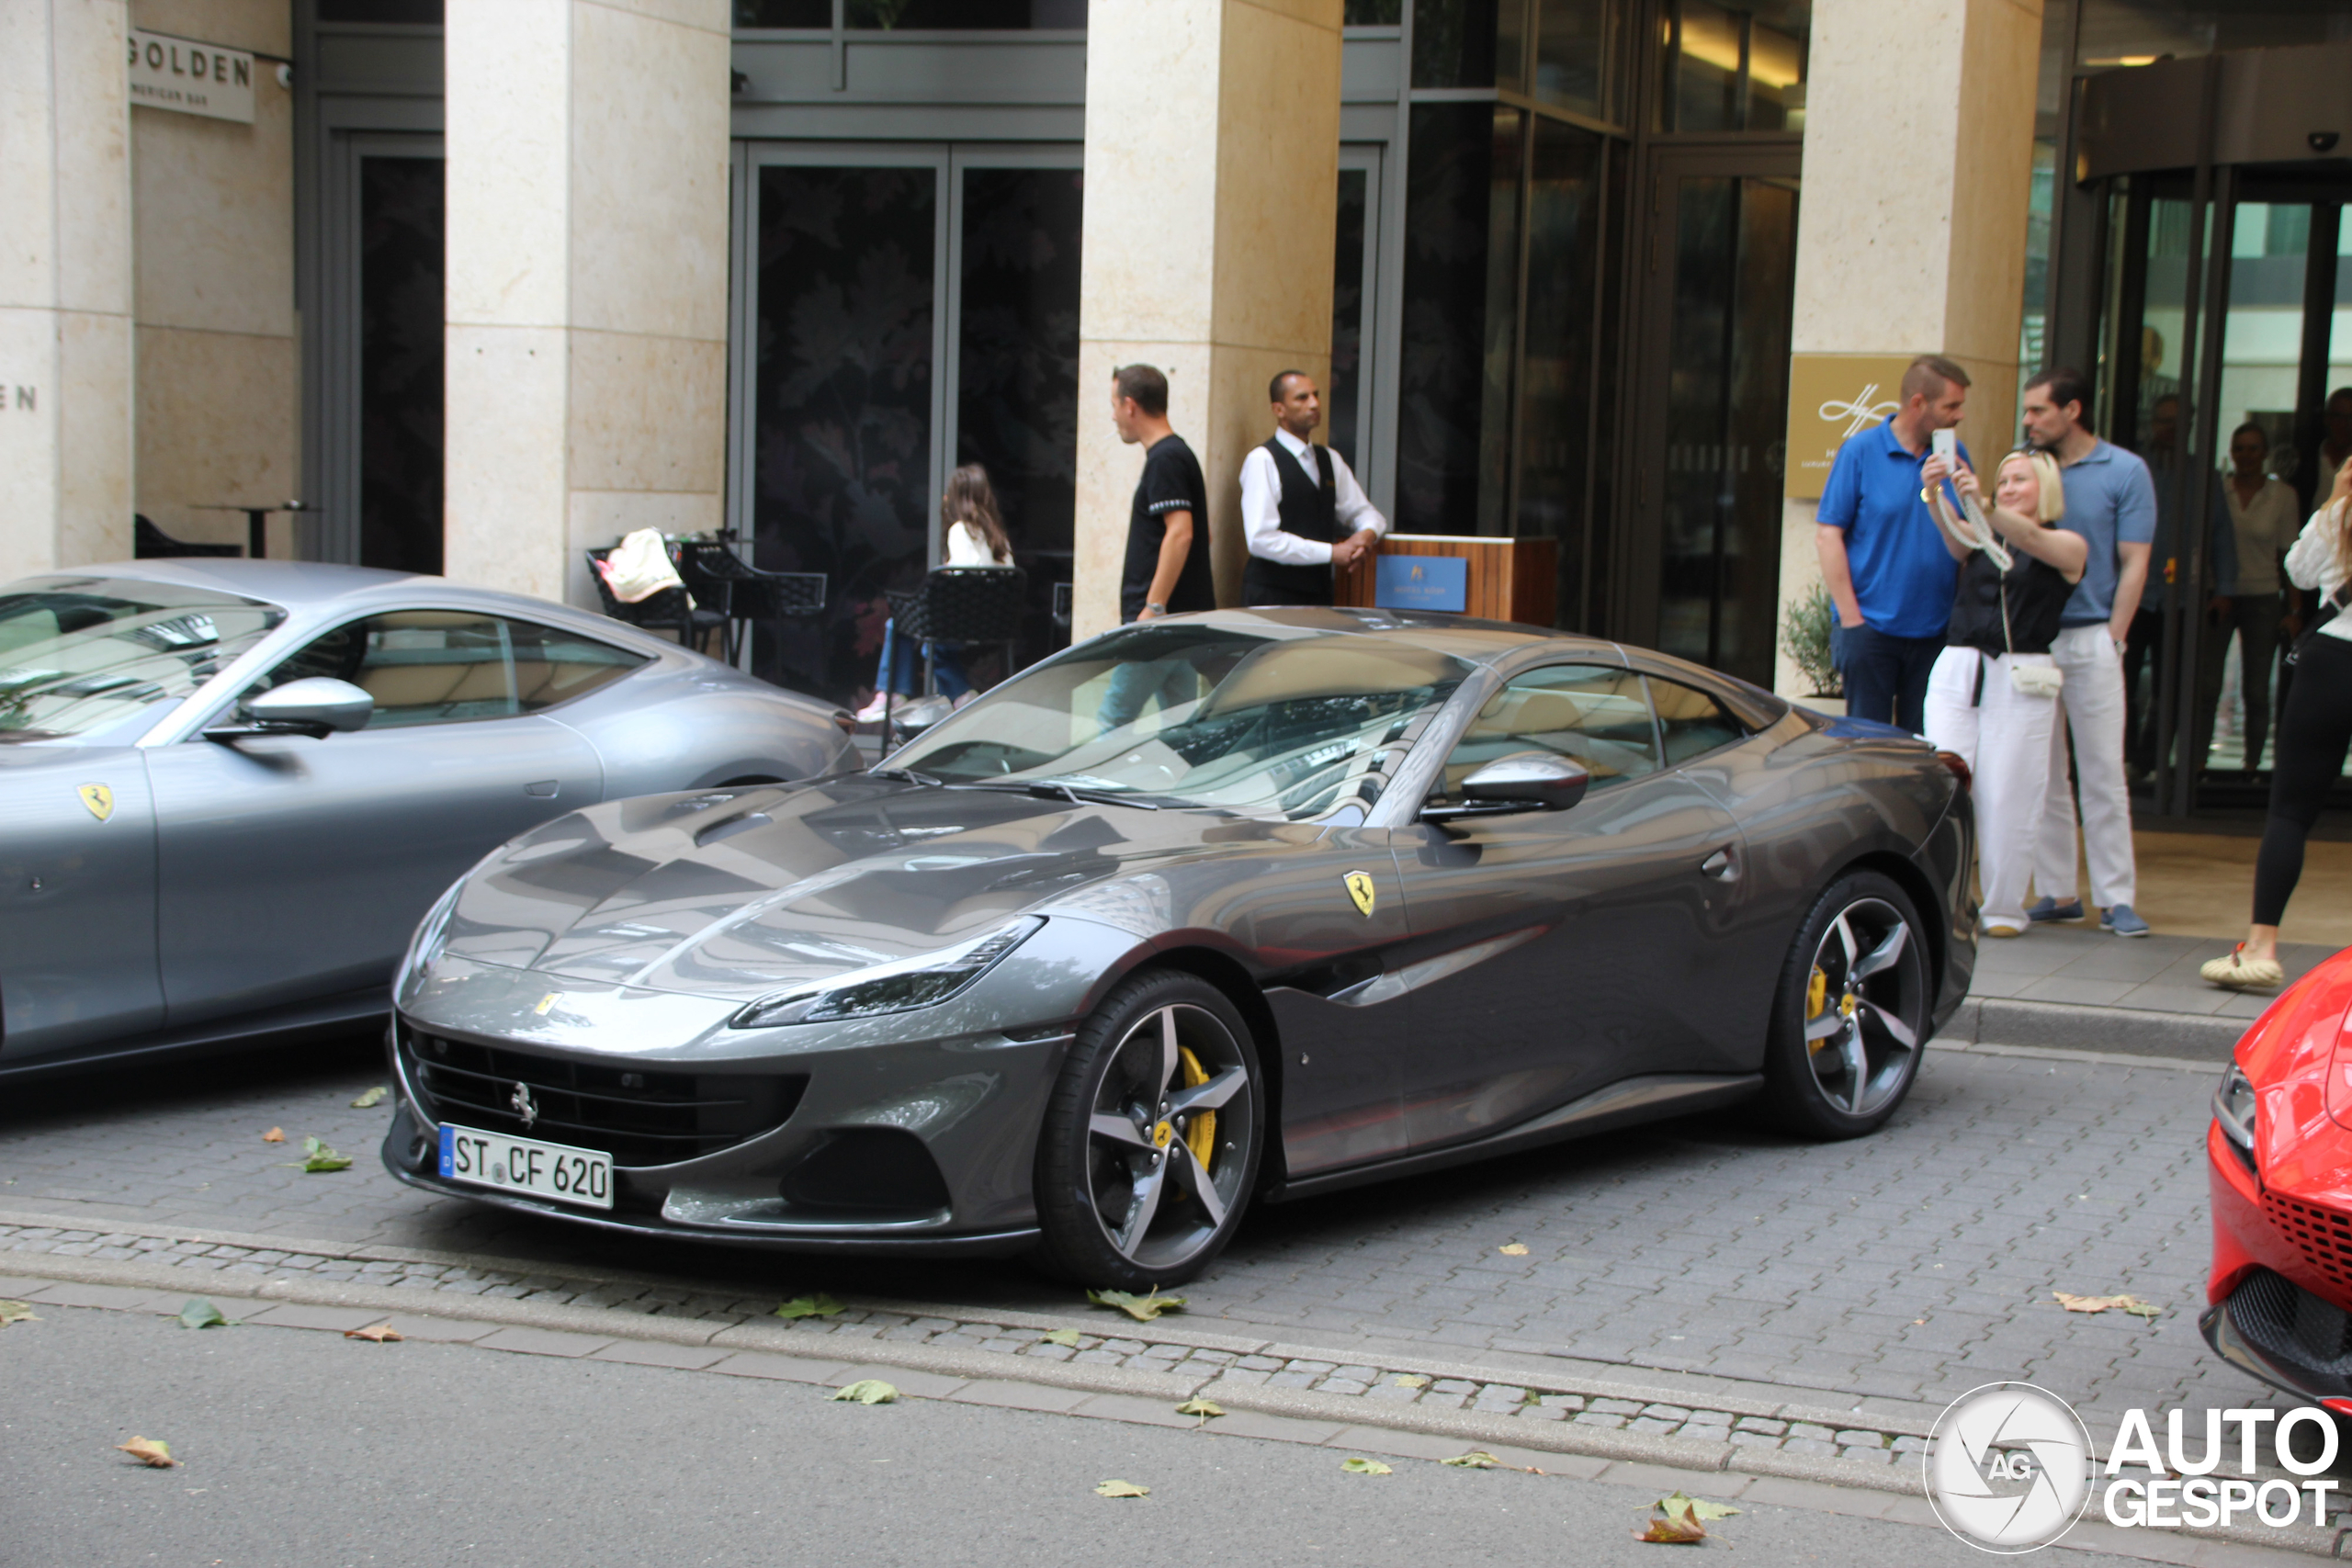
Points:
(901, 309)
(1701, 573)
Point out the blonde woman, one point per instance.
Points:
(1992, 697)
(2314, 732)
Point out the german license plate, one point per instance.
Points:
(522, 1164)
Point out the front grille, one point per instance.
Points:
(2323, 1235)
(2291, 1326)
(639, 1117)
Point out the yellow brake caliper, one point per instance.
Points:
(1200, 1136)
(1816, 997)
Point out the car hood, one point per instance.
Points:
(736, 894)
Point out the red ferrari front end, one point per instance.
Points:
(2281, 1153)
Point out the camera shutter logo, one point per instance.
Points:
(2007, 1468)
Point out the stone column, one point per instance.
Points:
(1211, 189)
(1918, 162)
(587, 282)
(218, 382)
(66, 285)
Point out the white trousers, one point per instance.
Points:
(2092, 705)
(2005, 740)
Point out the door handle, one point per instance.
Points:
(545, 789)
(1722, 865)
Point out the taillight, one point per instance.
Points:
(1958, 767)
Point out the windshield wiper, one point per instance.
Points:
(1053, 789)
(907, 773)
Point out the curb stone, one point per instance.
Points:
(1642, 1460)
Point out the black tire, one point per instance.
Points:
(1870, 1006)
(1133, 1207)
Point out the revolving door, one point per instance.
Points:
(2203, 256)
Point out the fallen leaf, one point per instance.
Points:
(1698, 1508)
(201, 1313)
(1122, 1489)
(868, 1390)
(1143, 1309)
(1513, 1249)
(16, 1311)
(1063, 1336)
(317, 1156)
(1364, 1467)
(372, 1099)
(275, 1136)
(2132, 1304)
(1409, 1380)
(1476, 1459)
(820, 1305)
(1203, 1408)
(1675, 1531)
(379, 1333)
(153, 1452)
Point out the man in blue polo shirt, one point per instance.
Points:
(2111, 501)
(1883, 557)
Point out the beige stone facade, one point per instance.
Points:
(1221, 152)
(66, 285)
(586, 387)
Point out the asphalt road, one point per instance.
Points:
(308, 1450)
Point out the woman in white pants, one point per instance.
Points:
(1992, 697)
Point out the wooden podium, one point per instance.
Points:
(1498, 580)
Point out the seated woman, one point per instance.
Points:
(1992, 697)
(975, 536)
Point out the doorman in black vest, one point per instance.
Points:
(1302, 512)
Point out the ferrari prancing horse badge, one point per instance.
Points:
(1361, 889)
(98, 799)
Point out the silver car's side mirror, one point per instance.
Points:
(1524, 781)
(316, 705)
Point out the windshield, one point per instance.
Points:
(1282, 724)
(78, 654)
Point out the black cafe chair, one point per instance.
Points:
(959, 604)
(1061, 611)
(671, 608)
(725, 582)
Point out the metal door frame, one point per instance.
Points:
(1637, 563)
(332, 477)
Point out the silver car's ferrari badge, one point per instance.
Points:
(544, 1003)
(98, 799)
(525, 1106)
(1361, 889)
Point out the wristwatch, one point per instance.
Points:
(1162, 608)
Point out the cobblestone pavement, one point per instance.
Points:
(1910, 1266)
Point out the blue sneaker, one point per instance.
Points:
(2119, 919)
(2050, 909)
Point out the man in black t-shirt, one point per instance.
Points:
(1168, 528)
(1167, 570)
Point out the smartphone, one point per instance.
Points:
(1945, 444)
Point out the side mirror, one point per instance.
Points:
(1524, 781)
(316, 705)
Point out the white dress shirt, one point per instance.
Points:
(2265, 528)
(1261, 497)
(2313, 563)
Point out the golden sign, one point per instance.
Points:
(1832, 398)
(98, 799)
(1361, 889)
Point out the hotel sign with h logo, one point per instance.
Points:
(1832, 398)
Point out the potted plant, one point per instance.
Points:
(1805, 638)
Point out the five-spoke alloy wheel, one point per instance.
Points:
(1151, 1145)
(1852, 1011)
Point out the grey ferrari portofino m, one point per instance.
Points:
(230, 789)
(1249, 904)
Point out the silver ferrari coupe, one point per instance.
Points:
(1227, 908)
(230, 789)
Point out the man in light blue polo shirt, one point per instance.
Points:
(1883, 557)
(2111, 501)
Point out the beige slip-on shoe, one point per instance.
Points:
(2239, 972)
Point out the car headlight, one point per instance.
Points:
(2233, 1107)
(432, 933)
(890, 988)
